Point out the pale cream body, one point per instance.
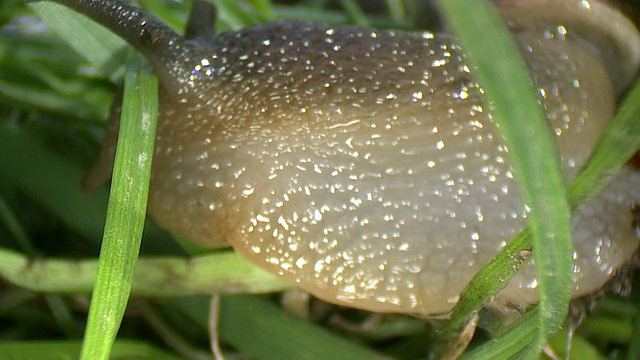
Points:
(363, 166)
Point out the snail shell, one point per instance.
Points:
(363, 164)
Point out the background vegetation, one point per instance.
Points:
(54, 101)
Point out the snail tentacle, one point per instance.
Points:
(201, 22)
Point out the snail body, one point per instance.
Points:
(362, 164)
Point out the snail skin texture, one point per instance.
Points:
(362, 164)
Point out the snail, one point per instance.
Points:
(362, 165)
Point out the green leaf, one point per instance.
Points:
(64, 350)
(233, 15)
(253, 324)
(619, 142)
(54, 181)
(503, 75)
(100, 47)
(125, 212)
(223, 272)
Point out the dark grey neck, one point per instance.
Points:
(153, 39)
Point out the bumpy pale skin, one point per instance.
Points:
(362, 164)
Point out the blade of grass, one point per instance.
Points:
(265, 331)
(488, 281)
(172, 13)
(397, 10)
(511, 342)
(28, 164)
(126, 211)
(503, 75)
(29, 78)
(64, 350)
(233, 15)
(10, 220)
(264, 7)
(96, 44)
(222, 272)
(607, 329)
(619, 142)
(333, 17)
(580, 347)
(254, 324)
(617, 145)
(352, 8)
(634, 344)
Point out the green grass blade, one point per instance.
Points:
(617, 145)
(126, 211)
(397, 10)
(507, 346)
(580, 347)
(352, 8)
(67, 350)
(223, 272)
(233, 15)
(27, 163)
(94, 43)
(488, 281)
(619, 142)
(30, 79)
(263, 7)
(503, 75)
(10, 219)
(634, 347)
(254, 324)
(260, 328)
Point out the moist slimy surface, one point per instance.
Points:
(363, 164)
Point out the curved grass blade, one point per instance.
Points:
(354, 11)
(617, 145)
(619, 142)
(233, 14)
(26, 162)
(503, 75)
(265, 331)
(64, 350)
(96, 44)
(634, 344)
(126, 210)
(223, 272)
